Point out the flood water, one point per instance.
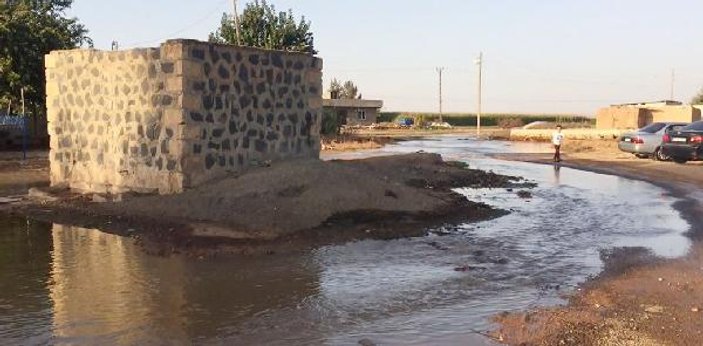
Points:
(67, 285)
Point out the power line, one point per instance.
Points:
(185, 28)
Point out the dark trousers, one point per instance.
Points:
(557, 153)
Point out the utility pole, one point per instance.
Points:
(479, 62)
(673, 81)
(237, 29)
(22, 97)
(440, 70)
(25, 123)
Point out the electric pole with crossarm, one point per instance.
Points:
(440, 70)
(479, 62)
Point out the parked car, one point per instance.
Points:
(406, 122)
(686, 144)
(647, 141)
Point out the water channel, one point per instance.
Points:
(67, 285)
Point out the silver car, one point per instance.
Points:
(647, 141)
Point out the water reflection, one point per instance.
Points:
(25, 266)
(557, 174)
(70, 285)
(103, 287)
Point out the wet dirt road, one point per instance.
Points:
(68, 285)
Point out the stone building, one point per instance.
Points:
(638, 115)
(170, 118)
(354, 111)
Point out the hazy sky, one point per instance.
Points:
(540, 56)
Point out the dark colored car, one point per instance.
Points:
(686, 144)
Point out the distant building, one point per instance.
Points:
(638, 115)
(354, 111)
(653, 103)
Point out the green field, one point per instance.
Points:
(468, 119)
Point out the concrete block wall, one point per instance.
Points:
(621, 117)
(545, 135)
(675, 113)
(169, 118)
(634, 117)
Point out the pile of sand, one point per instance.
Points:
(268, 202)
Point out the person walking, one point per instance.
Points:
(557, 140)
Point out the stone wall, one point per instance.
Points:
(177, 116)
(244, 106)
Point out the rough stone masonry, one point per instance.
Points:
(171, 118)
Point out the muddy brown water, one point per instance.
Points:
(66, 285)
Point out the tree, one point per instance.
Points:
(29, 29)
(347, 91)
(261, 26)
(350, 90)
(698, 99)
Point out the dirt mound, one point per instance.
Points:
(287, 197)
(289, 205)
(348, 142)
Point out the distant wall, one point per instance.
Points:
(675, 113)
(634, 117)
(370, 113)
(177, 116)
(13, 138)
(10, 138)
(351, 116)
(546, 135)
(621, 117)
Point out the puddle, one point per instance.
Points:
(65, 285)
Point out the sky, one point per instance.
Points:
(546, 56)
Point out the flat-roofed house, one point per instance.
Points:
(638, 115)
(354, 112)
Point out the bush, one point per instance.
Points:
(331, 123)
(387, 117)
(509, 123)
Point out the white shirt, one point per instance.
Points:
(557, 138)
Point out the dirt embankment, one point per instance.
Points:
(289, 205)
(349, 142)
(638, 299)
